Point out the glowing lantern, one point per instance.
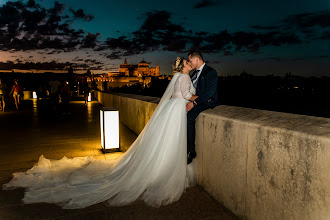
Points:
(34, 95)
(109, 121)
(89, 97)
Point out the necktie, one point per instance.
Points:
(194, 78)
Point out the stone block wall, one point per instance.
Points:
(259, 164)
(134, 110)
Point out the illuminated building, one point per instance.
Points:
(137, 70)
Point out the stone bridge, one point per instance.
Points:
(259, 164)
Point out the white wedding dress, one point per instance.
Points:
(154, 169)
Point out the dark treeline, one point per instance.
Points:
(31, 65)
(292, 94)
(155, 89)
(53, 65)
(32, 81)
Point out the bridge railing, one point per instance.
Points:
(259, 164)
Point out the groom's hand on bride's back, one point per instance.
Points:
(189, 106)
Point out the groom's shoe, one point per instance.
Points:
(191, 156)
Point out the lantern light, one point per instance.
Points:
(109, 121)
(34, 95)
(89, 97)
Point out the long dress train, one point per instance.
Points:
(154, 168)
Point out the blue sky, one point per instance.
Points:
(261, 37)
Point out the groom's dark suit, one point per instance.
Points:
(207, 93)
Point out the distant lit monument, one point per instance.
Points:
(137, 70)
(129, 74)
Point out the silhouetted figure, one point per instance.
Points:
(42, 93)
(94, 85)
(65, 97)
(54, 92)
(89, 73)
(105, 86)
(3, 88)
(71, 78)
(70, 70)
(86, 91)
(16, 90)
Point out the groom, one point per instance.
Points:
(205, 81)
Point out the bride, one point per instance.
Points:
(154, 169)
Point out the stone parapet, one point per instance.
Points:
(259, 164)
(134, 110)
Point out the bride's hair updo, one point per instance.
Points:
(178, 64)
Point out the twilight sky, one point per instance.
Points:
(262, 37)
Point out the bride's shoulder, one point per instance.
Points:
(177, 74)
(181, 76)
(184, 75)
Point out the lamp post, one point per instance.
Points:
(109, 122)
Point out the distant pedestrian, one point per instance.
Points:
(3, 88)
(86, 90)
(16, 90)
(65, 96)
(42, 93)
(54, 87)
(54, 91)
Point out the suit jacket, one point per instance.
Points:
(206, 90)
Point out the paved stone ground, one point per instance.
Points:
(39, 130)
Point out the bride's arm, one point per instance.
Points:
(185, 87)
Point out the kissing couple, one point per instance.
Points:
(157, 167)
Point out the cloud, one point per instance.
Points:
(325, 35)
(52, 52)
(306, 20)
(276, 59)
(310, 25)
(265, 28)
(18, 64)
(92, 62)
(115, 55)
(281, 59)
(324, 56)
(204, 3)
(29, 26)
(53, 65)
(177, 45)
(90, 41)
(119, 43)
(157, 32)
(81, 14)
(244, 41)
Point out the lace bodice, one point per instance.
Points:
(183, 88)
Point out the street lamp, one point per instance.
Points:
(109, 121)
